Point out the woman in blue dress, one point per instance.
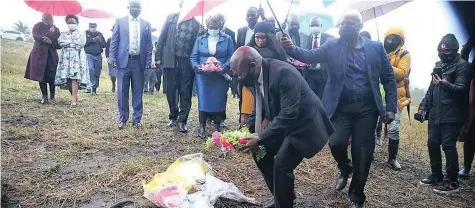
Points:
(212, 87)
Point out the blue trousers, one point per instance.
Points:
(131, 76)
(94, 63)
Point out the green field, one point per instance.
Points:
(77, 157)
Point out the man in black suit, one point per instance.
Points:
(245, 33)
(316, 74)
(299, 126)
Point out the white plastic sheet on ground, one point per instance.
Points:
(189, 183)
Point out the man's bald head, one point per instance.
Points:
(315, 22)
(246, 62)
(47, 18)
(294, 20)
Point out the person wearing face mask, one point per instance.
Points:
(352, 97)
(212, 87)
(95, 43)
(244, 36)
(72, 67)
(316, 74)
(293, 27)
(299, 127)
(446, 104)
(43, 60)
(131, 53)
(401, 61)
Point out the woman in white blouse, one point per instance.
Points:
(212, 87)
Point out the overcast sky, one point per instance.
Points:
(424, 21)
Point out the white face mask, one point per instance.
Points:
(72, 27)
(316, 30)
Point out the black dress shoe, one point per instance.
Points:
(356, 205)
(122, 125)
(464, 173)
(182, 127)
(171, 122)
(341, 182)
(138, 125)
(202, 133)
(44, 100)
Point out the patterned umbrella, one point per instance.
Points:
(56, 7)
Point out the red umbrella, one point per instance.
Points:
(197, 8)
(96, 14)
(56, 7)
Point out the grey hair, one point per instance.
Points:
(135, 1)
(221, 18)
(353, 13)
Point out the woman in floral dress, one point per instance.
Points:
(72, 67)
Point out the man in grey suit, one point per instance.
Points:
(131, 53)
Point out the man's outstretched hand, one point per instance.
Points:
(286, 42)
(252, 144)
(390, 116)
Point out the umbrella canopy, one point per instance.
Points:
(306, 19)
(193, 8)
(56, 7)
(96, 14)
(374, 9)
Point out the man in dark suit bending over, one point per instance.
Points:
(299, 127)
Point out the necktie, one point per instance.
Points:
(258, 100)
(135, 37)
(315, 42)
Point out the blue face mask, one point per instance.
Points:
(213, 33)
(92, 29)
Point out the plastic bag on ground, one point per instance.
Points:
(189, 183)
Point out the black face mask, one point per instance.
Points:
(349, 32)
(294, 30)
(248, 81)
(390, 46)
(447, 57)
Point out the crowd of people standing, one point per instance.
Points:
(297, 91)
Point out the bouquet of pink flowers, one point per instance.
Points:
(233, 140)
(212, 65)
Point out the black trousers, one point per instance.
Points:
(444, 135)
(358, 120)
(278, 172)
(216, 116)
(316, 81)
(469, 151)
(48, 77)
(158, 82)
(179, 88)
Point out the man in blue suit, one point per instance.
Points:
(352, 97)
(131, 53)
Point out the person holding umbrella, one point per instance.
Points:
(352, 97)
(43, 60)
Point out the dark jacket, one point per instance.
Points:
(231, 33)
(295, 112)
(36, 65)
(334, 53)
(449, 104)
(94, 47)
(241, 37)
(469, 125)
(165, 50)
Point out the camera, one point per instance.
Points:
(420, 116)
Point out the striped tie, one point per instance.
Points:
(258, 123)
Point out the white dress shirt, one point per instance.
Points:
(319, 39)
(260, 80)
(134, 24)
(249, 34)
